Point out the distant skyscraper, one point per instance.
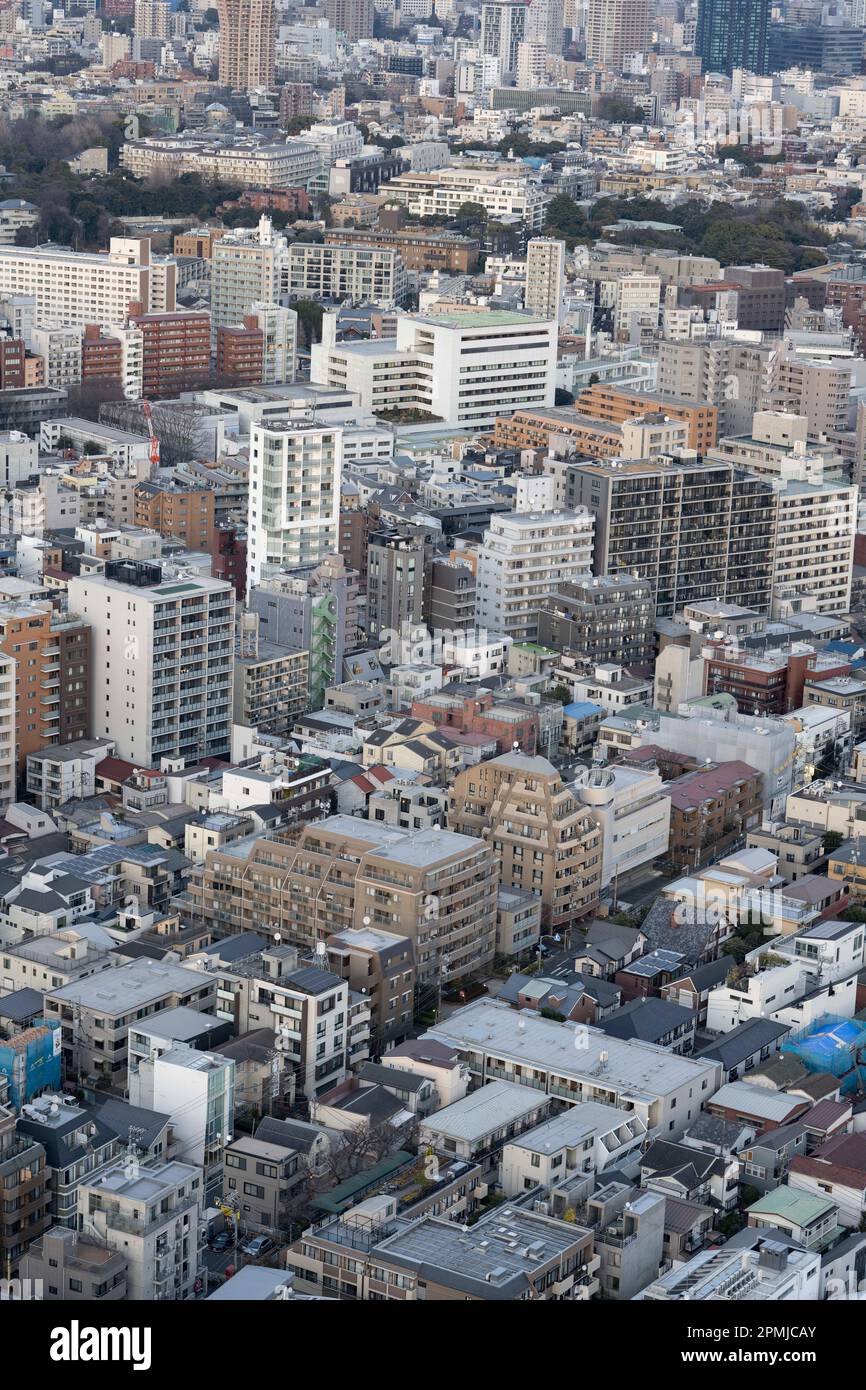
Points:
(248, 40)
(614, 29)
(545, 278)
(544, 24)
(503, 28)
(733, 34)
(351, 18)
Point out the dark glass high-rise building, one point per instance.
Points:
(733, 34)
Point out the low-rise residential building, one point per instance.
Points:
(151, 1214)
(476, 1127)
(511, 1254)
(95, 1017)
(583, 1140)
(72, 1269)
(578, 1063)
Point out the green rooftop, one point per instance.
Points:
(801, 1207)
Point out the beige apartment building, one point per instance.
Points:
(433, 886)
(546, 842)
(248, 39)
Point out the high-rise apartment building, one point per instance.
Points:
(244, 269)
(545, 277)
(614, 29)
(176, 512)
(526, 555)
(733, 34)
(353, 19)
(313, 609)
(175, 350)
(163, 643)
(294, 509)
(694, 531)
(52, 657)
(532, 59)
(609, 617)
(503, 29)
(545, 20)
(813, 545)
(279, 329)
(247, 43)
(396, 576)
(152, 19)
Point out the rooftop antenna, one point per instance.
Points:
(132, 1167)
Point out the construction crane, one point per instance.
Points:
(154, 441)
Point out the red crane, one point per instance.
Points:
(154, 441)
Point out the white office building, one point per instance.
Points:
(462, 368)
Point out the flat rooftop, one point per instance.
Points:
(130, 986)
(487, 1026)
(489, 1108)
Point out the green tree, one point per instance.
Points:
(309, 320)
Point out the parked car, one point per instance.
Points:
(258, 1246)
(223, 1241)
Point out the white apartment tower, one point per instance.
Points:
(294, 508)
(524, 557)
(503, 28)
(163, 644)
(531, 65)
(545, 277)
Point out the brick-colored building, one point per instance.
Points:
(186, 514)
(175, 350)
(766, 683)
(476, 713)
(240, 354)
(229, 556)
(711, 809)
(615, 404)
(12, 356)
(197, 242)
(52, 686)
(429, 249)
(101, 357)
